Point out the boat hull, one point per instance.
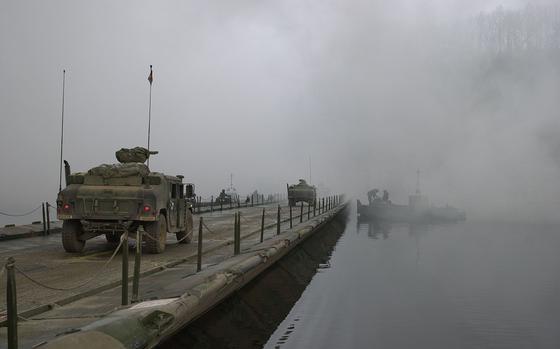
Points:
(386, 211)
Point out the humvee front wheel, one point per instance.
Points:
(185, 236)
(157, 235)
(71, 231)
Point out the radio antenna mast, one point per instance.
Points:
(62, 131)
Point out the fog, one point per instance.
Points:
(367, 91)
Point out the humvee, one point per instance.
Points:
(301, 192)
(112, 199)
(227, 197)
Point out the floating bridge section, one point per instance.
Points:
(78, 301)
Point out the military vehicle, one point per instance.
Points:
(112, 199)
(301, 192)
(227, 197)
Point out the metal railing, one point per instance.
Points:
(45, 214)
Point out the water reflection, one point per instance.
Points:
(465, 285)
(250, 316)
(375, 229)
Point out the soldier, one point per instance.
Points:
(372, 195)
(385, 195)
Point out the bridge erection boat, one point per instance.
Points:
(417, 210)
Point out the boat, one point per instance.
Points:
(417, 210)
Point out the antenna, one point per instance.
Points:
(150, 79)
(418, 182)
(62, 131)
(231, 180)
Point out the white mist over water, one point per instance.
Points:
(370, 90)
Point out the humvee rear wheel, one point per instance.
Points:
(157, 235)
(185, 236)
(71, 231)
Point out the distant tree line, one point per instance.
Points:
(535, 27)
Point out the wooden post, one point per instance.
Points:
(124, 279)
(238, 232)
(301, 213)
(278, 221)
(262, 225)
(236, 235)
(290, 217)
(314, 207)
(212, 203)
(137, 261)
(199, 255)
(44, 219)
(48, 219)
(11, 304)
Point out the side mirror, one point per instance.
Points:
(189, 190)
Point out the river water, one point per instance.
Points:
(466, 285)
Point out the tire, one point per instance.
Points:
(157, 231)
(71, 231)
(188, 232)
(113, 238)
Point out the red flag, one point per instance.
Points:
(151, 76)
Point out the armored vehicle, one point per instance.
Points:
(301, 192)
(223, 198)
(112, 199)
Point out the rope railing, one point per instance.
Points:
(20, 214)
(11, 269)
(38, 283)
(208, 229)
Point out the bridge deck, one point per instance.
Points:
(170, 273)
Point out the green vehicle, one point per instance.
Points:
(112, 199)
(301, 192)
(224, 198)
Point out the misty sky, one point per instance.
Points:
(369, 90)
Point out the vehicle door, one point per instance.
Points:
(173, 207)
(181, 207)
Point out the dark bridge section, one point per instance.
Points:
(250, 316)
